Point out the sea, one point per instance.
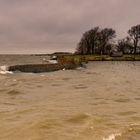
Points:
(99, 102)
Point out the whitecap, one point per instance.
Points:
(79, 68)
(135, 124)
(112, 136)
(53, 61)
(4, 70)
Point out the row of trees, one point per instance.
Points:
(101, 41)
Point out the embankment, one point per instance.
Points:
(38, 68)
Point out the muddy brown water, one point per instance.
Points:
(101, 102)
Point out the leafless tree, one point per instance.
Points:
(96, 40)
(125, 46)
(134, 34)
(106, 36)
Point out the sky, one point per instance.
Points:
(45, 26)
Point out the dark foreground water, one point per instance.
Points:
(101, 102)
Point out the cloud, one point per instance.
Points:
(36, 24)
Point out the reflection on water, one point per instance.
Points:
(100, 102)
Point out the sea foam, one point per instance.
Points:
(4, 70)
(112, 136)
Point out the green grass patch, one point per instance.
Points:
(106, 58)
(77, 59)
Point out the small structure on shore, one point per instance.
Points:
(116, 54)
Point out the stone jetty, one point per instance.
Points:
(38, 68)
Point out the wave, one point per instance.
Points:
(113, 136)
(4, 70)
(132, 131)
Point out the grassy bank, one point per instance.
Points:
(78, 58)
(108, 58)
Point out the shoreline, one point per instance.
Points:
(65, 62)
(107, 58)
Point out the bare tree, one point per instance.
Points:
(93, 35)
(81, 49)
(88, 42)
(125, 46)
(134, 34)
(96, 40)
(106, 36)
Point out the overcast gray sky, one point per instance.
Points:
(44, 26)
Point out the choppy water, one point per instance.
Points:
(101, 102)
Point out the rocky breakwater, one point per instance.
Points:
(36, 68)
(63, 63)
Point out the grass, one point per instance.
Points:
(77, 59)
(108, 58)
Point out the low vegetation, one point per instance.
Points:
(78, 59)
(107, 58)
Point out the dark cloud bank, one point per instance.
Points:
(42, 26)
